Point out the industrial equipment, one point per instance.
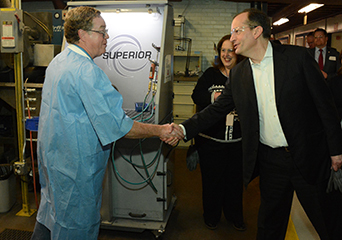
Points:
(29, 41)
(138, 187)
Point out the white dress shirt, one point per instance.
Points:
(271, 132)
(317, 53)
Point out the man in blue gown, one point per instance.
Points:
(80, 116)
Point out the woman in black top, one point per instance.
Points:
(219, 147)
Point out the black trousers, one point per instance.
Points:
(222, 188)
(41, 232)
(279, 178)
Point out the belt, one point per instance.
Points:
(286, 149)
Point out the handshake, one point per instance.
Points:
(171, 133)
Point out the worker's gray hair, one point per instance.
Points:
(79, 18)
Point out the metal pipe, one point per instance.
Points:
(18, 76)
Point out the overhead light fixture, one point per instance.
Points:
(310, 7)
(281, 21)
(149, 10)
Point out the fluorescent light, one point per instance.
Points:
(310, 7)
(281, 21)
(149, 10)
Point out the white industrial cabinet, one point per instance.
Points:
(138, 186)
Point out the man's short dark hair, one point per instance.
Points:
(259, 18)
(321, 30)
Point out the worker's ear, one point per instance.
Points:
(81, 34)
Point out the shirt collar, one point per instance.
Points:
(268, 54)
(79, 50)
(324, 48)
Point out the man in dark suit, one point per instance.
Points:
(326, 57)
(291, 136)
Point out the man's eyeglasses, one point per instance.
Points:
(239, 30)
(103, 32)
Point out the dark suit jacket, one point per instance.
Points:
(336, 89)
(332, 62)
(305, 107)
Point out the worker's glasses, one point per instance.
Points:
(103, 32)
(239, 30)
(319, 37)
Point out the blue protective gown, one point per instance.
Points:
(80, 116)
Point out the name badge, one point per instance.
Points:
(332, 58)
(230, 119)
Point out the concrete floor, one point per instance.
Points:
(185, 222)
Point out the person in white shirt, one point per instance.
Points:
(291, 135)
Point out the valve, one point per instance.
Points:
(20, 168)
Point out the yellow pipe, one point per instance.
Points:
(18, 76)
(26, 211)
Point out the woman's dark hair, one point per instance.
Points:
(218, 62)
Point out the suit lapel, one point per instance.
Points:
(280, 70)
(280, 75)
(326, 63)
(248, 84)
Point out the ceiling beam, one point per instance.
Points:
(290, 10)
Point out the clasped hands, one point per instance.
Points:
(172, 134)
